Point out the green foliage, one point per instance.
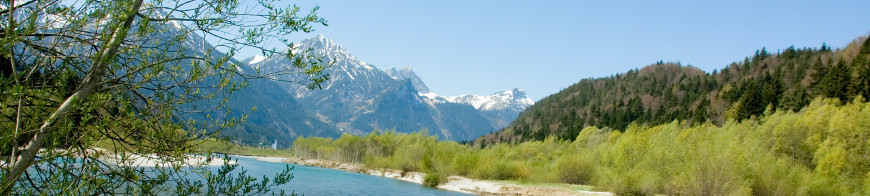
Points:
(821, 150)
(122, 76)
(503, 170)
(836, 82)
(574, 169)
(433, 179)
(663, 92)
(465, 162)
(861, 71)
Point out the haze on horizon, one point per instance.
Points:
(483, 47)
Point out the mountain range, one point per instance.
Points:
(360, 98)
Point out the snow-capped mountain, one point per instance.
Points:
(500, 108)
(345, 70)
(359, 97)
(514, 99)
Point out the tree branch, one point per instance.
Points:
(88, 87)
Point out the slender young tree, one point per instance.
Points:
(87, 80)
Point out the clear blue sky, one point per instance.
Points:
(482, 47)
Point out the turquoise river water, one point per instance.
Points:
(323, 181)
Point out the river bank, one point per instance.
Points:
(153, 160)
(454, 183)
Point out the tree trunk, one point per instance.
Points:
(90, 84)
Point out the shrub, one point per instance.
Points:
(408, 159)
(867, 184)
(825, 185)
(464, 163)
(433, 179)
(504, 171)
(574, 169)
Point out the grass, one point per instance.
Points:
(526, 183)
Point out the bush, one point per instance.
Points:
(574, 169)
(504, 171)
(433, 179)
(464, 163)
(867, 184)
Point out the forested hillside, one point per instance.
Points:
(663, 92)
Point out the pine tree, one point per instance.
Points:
(752, 101)
(836, 82)
(820, 69)
(861, 72)
(770, 92)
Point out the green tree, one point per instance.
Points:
(772, 91)
(752, 101)
(819, 71)
(124, 75)
(861, 71)
(836, 81)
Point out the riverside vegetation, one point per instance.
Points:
(822, 149)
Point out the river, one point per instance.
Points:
(323, 181)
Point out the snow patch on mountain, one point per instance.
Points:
(344, 71)
(256, 59)
(350, 66)
(514, 99)
(325, 47)
(509, 99)
(430, 95)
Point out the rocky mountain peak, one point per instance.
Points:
(359, 97)
(325, 47)
(408, 73)
(517, 96)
